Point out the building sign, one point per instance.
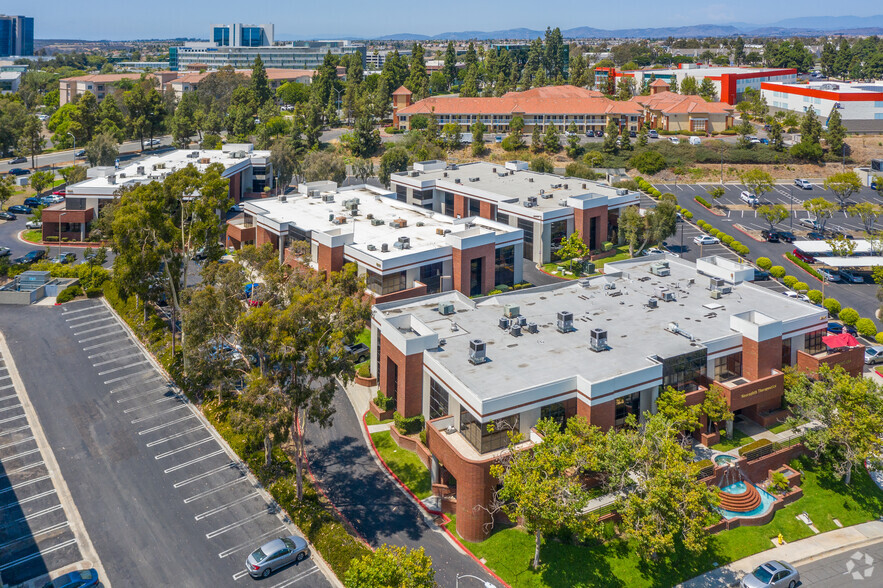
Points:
(758, 391)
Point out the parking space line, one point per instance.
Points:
(175, 436)
(198, 477)
(97, 345)
(26, 439)
(224, 507)
(231, 526)
(113, 325)
(15, 418)
(36, 464)
(158, 427)
(184, 448)
(126, 377)
(40, 513)
(103, 353)
(291, 581)
(153, 391)
(14, 487)
(90, 307)
(10, 397)
(93, 337)
(11, 431)
(22, 454)
(138, 383)
(252, 541)
(19, 501)
(240, 574)
(156, 414)
(123, 367)
(34, 534)
(40, 553)
(213, 490)
(163, 399)
(106, 361)
(10, 407)
(192, 461)
(87, 319)
(7, 386)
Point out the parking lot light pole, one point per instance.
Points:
(791, 217)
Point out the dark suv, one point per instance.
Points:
(771, 236)
(786, 236)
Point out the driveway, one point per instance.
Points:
(374, 504)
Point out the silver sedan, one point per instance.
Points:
(276, 554)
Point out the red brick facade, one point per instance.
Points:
(582, 222)
(852, 360)
(759, 359)
(401, 377)
(462, 260)
(262, 235)
(329, 259)
(600, 415)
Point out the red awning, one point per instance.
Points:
(841, 340)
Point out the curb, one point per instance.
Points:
(739, 228)
(785, 257)
(439, 514)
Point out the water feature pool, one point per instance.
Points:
(724, 459)
(766, 502)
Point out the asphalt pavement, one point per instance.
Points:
(858, 567)
(862, 297)
(58, 159)
(165, 502)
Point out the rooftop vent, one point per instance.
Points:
(376, 222)
(660, 269)
(532, 327)
(598, 339)
(652, 303)
(565, 321)
(475, 179)
(664, 294)
(314, 193)
(384, 247)
(566, 186)
(327, 197)
(584, 187)
(716, 283)
(414, 174)
(283, 198)
(398, 223)
(456, 180)
(674, 328)
(511, 311)
(477, 351)
(621, 191)
(140, 170)
(529, 179)
(112, 179)
(372, 247)
(504, 323)
(339, 220)
(515, 330)
(446, 308)
(494, 170)
(444, 174)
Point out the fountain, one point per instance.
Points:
(724, 459)
(740, 498)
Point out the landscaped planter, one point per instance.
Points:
(709, 439)
(369, 381)
(411, 443)
(604, 254)
(381, 415)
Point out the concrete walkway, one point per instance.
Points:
(796, 553)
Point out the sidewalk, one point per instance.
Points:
(797, 553)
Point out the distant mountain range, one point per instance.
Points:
(802, 26)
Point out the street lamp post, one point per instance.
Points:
(486, 584)
(791, 217)
(338, 98)
(75, 143)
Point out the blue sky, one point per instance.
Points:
(127, 19)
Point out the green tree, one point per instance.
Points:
(31, 141)
(715, 192)
(478, 129)
(610, 134)
(41, 180)
(835, 133)
(102, 150)
(642, 137)
(367, 138)
(7, 189)
(363, 169)
(292, 93)
(86, 115)
(184, 121)
(394, 160)
(418, 81)
(776, 136)
(821, 210)
(536, 140)
(648, 162)
(542, 164)
(572, 247)
(689, 86)
(449, 69)
(850, 411)
(758, 181)
(391, 567)
(841, 246)
(843, 185)
(451, 135)
(284, 160)
(715, 407)
(573, 146)
(654, 226)
(672, 404)
(322, 165)
(773, 214)
(541, 484)
(810, 132)
(744, 129)
(707, 89)
(551, 139)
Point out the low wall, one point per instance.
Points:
(412, 444)
(380, 415)
(371, 381)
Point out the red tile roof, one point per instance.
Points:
(402, 91)
(545, 100)
(658, 83)
(671, 103)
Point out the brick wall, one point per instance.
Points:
(600, 415)
(459, 206)
(462, 259)
(582, 222)
(419, 289)
(851, 359)
(760, 358)
(409, 393)
(759, 392)
(329, 259)
(236, 187)
(262, 235)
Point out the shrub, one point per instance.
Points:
(94, 292)
(764, 263)
(849, 316)
(688, 215)
(866, 328)
(832, 305)
(702, 201)
(879, 338)
(800, 286)
(494, 292)
(805, 266)
(777, 271)
(384, 402)
(727, 240)
(606, 246)
(69, 294)
(815, 295)
(423, 437)
(789, 281)
(655, 193)
(363, 371)
(408, 425)
(756, 449)
(741, 249)
(648, 162)
(778, 483)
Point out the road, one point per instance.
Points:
(164, 502)
(342, 462)
(859, 567)
(62, 158)
(862, 297)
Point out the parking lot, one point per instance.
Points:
(36, 535)
(167, 502)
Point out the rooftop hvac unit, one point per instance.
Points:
(584, 187)
(521, 320)
(529, 179)
(404, 239)
(726, 289)
(283, 198)
(111, 179)
(122, 174)
(339, 220)
(504, 323)
(402, 245)
(140, 170)
(515, 330)
(658, 269)
(327, 197)
(477, 351)
(556, 186)
(652, 303)
(532, 200)
(475, 179)
(206, 160)
(420, 223)
(456, 180)
(511, 311)
(372, 247)
(444, 174)
(369, 216)
(376, 222)
(414, 174)
(546, 196)
(532, 327)
(566, 186)
(314, 193)
(439, 231)
(664, 294)
(598, 339)
(565, 321)
(331, 217)
(716, 283)
(445, 308)
(716, 294)
(384, 248)
(621, 191)
(193, 154)
(494, 170)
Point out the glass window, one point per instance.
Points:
(422, 194)
(386, 284)
(476, 276)
(683, 371)
(474, 208)
(527, 227)
(430, 274)
(559, 233)
(812, 342)
(448, 204)
(486, 437)
(504, 266)
(298, 234)
(555, 412)
(401, 193)
(438, 400)
(502, 217)
(728, 367)
(626, 405)
(786, 351)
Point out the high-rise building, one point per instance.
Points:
(16, 35)
(242, 35)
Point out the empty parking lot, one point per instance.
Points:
(166, 502)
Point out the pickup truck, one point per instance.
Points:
(359, 352)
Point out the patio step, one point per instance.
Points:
(742, 502)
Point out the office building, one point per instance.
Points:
(248, 170)
(400, 249)
(601, 348)
(546, 207)
(242, 35)
(189, 81)
(103, 84)
(667, 111)
(16, 36)
(860, 104)
(9, 81)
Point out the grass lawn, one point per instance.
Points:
(552, 268)
(364, 337)
(34, 236)
(372, 420)
(781, 428)
(406, 465)
(739, 439)
(623, 253)
(614, 563)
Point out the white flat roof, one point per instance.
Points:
(862, 247)
(840, 87)
(425, 229)
(860, 261)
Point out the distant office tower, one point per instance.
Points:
(242, 35)
(16, 35)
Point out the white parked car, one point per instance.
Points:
(695, 141)
(796, 296)
(34, 224)
(829, 275)
(706, 240)
(849, 276)
(748, 198)
(674, 140)
(803, 184)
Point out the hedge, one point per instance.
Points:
(849, 316)
(68, 294)
(805, 266)
(777, 271)
(789, 281)
(764, 263)
(756, 449)
(408, 425)
(815, 296)
(866, 328)
(800, 286)
(879, 338)
(833, 306)
(706, 468)
(384, 402)
(702, 201)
